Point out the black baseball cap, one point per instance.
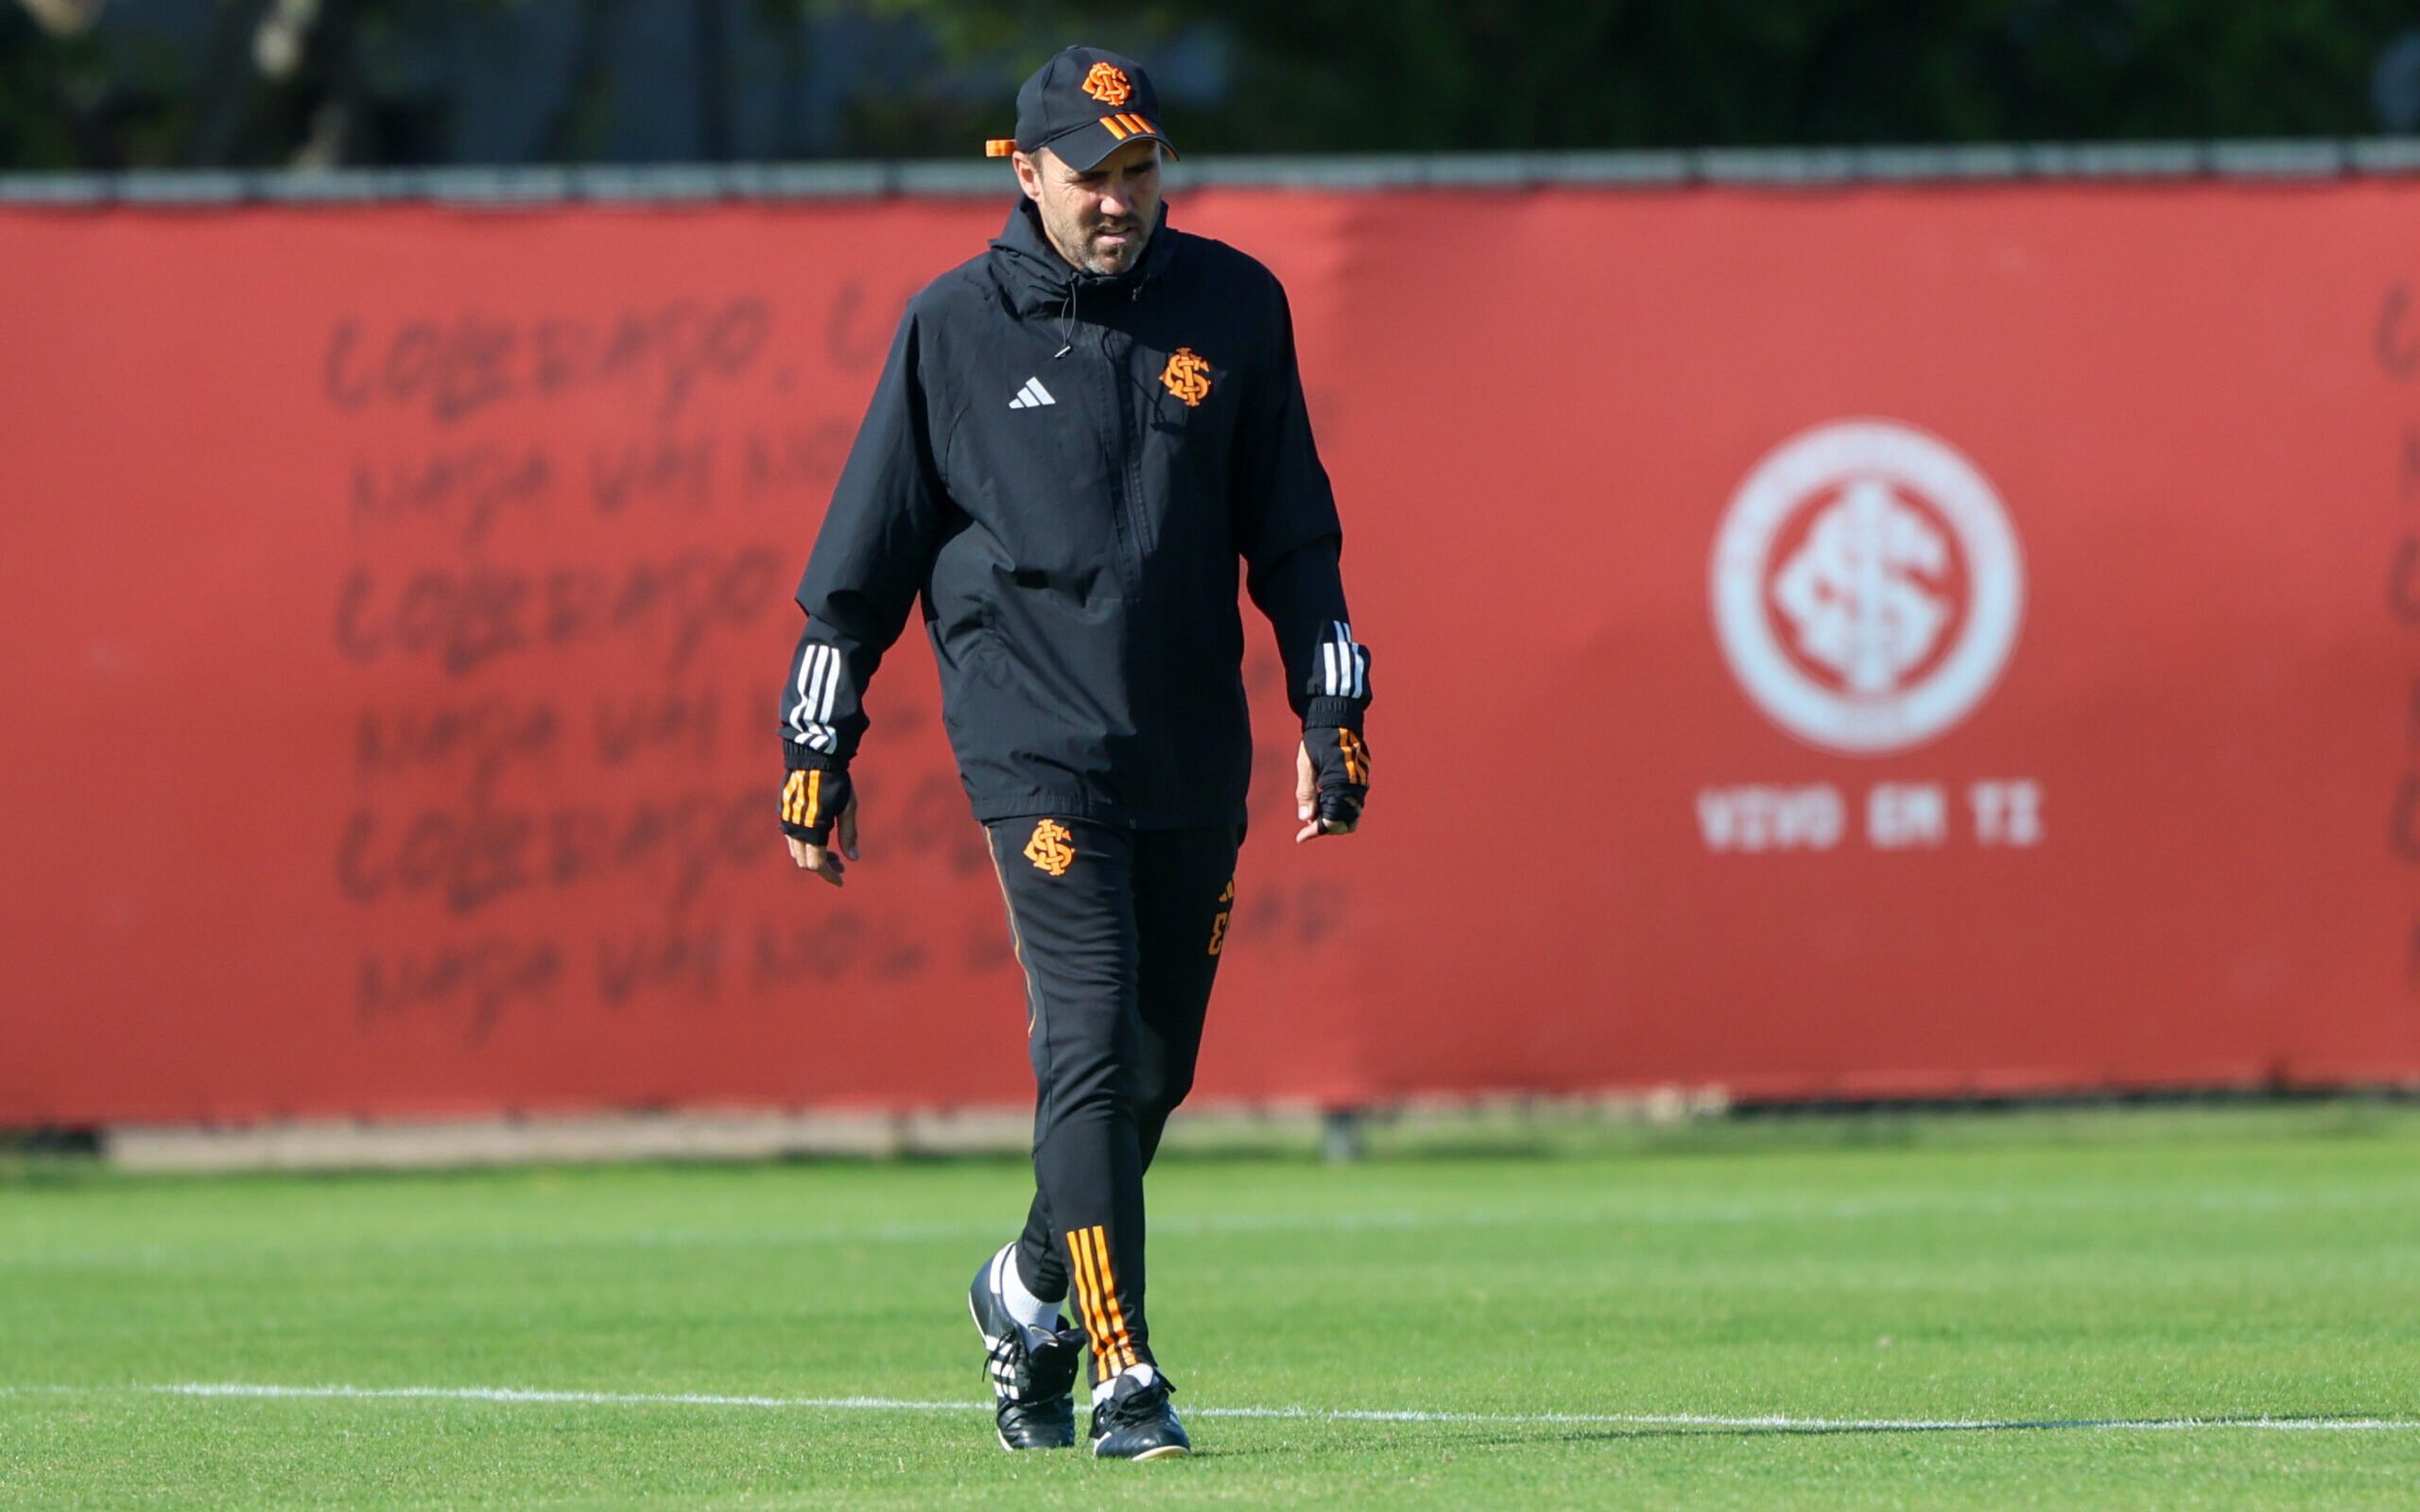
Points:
(1083, 105)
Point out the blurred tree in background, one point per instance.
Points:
(101, 84)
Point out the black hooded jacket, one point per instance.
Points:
(1068, 470)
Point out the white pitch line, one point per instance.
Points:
(1777, 1423)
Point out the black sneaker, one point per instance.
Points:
(1137, 1422)
(1032, 1370)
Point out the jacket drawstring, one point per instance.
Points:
(1066, 325)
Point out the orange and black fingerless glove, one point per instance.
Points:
(813, 796)
(1340, 765)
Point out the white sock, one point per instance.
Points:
(1024, 1306)
(1140, 1374)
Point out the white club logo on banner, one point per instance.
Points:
(1867, 586)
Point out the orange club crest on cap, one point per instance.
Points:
(1108, 84)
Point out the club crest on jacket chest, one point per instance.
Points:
(1187, 376)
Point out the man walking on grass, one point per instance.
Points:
(1077, 438)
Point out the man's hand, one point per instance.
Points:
(823, 860)
(817, 839)
(1331, 783)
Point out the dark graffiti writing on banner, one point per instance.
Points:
(458, 617)
(575, 535)
(452, 367)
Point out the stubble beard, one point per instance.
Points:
(1075, 244)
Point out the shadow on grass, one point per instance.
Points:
(2041, 1425)
(1512, 1435)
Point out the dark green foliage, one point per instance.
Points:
(161, 82)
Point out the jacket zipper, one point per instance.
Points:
(1128, 475)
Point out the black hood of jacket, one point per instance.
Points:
(1035, 276)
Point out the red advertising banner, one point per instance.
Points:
(1873, 642)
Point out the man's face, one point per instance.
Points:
(1099, 218)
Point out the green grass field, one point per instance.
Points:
(2059, 1311)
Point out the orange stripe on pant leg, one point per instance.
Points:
(1103, 1300)
(1121, 1346)
(1120, 1349)
(1109, 1294)
(1087, 1296)
(1081, 1278)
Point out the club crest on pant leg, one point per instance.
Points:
(1048, 850)
(1219, 924)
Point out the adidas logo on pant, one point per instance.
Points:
(1032, 396)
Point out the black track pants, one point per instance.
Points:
(1120, 933)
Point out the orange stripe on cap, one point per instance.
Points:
(1114, 128)
(1123, 1344)
(1087, 1297)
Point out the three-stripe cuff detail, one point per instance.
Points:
(1344, 665)
(818, 686)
